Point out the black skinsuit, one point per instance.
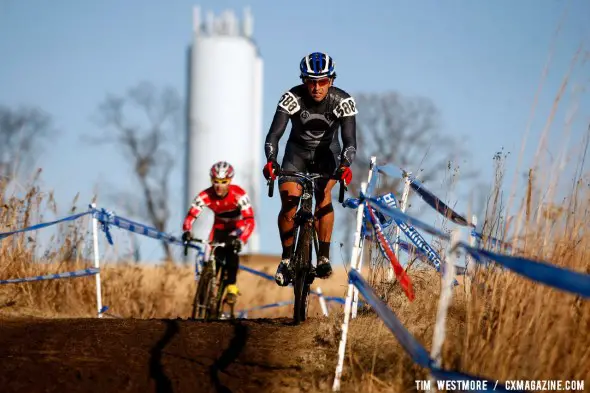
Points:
(313, 143)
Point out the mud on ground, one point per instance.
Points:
(162, 356)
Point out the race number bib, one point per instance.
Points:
(347, 107)
(289, 103)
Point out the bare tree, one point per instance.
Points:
(144, 123)
(402, 131)
(22, 131)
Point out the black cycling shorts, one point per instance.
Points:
(323, 161)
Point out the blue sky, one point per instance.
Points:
(479, 61)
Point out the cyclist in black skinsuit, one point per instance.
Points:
(316, 109)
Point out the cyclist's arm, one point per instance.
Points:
(200, 202)
(287, 106)
(348, 133)
(247, 224)
(346, 112)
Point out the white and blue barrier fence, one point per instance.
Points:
(541, 272)
(95, 270)
(79, 273)
(106, 219)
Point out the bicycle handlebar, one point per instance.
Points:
(281, 173)
(201, 241)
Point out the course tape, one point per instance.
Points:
(492, 240)
(78, 273)
(107, 218)
(244, 313)
(268, 277)
(416, 351)
(44, 225)
(257, 273)
(434, 201)
(542, 272)
(554, 276)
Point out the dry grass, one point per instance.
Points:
(130, 290)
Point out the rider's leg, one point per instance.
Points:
(290, 190)
(290, 193)
(232, 263)
(324, 213)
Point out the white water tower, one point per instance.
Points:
(224, 119)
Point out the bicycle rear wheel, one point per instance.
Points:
(302, 270)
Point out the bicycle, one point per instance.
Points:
(304, 235)
(207, 301)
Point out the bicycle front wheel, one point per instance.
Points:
(202, 298)
(302, 269)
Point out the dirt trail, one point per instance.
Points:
(162, 356)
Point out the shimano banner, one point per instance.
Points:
(390, 200)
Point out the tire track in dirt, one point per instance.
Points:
(236, 346)
(163, 384)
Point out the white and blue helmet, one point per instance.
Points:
(317, 65)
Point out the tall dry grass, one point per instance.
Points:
(129, 290)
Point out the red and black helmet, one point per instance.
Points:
(222, 170)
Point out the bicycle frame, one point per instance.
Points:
(304, 214)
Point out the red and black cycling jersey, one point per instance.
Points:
(233, 212)
(314, 125)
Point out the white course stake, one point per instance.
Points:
(96, 263)
(355, 291)
(446, 294)
(469, 262)
(322, 300)
(403, 206)
(348, 303)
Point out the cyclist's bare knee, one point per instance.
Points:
(290, 194)
(323, 211)
(288, 210)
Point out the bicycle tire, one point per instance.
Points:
(216, 310)
(201, 302)
(302, 269)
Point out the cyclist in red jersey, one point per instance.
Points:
(233, 224)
